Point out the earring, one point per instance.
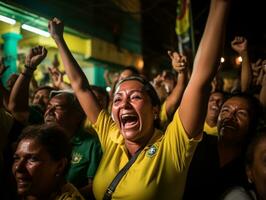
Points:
(155, 117)
(250, 181)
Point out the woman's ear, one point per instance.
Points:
(249, 174)
(156, 112)
(62, 164)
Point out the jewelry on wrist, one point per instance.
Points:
(29, 68)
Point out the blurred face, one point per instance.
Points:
(41, 98)
(215, 103)
(168, 81)
(257, 171)
(234, 120)
(59, 111)
(133, 112)
(34, 170)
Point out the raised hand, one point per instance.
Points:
(35, 57)
(179, 61)
(239, 44)
(56, 76)
(56, 28)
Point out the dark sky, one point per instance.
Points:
(247, 18)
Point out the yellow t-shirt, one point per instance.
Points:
(159, 171)
(210, 130)
(164, 121)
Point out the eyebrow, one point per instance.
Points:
(130, 92)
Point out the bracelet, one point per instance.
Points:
(27, 74)
(29, 68)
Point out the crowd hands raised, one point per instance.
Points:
(69, 141)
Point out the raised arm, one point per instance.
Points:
(4, 92)
(179, 64)
(78, 80)
(19, 96)
(193, 107)
(240, 45)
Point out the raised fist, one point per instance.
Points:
(35, 57)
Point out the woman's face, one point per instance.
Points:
(257, 171)
(234, 120)
(133, 112)
(34, 170)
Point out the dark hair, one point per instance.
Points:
(147, 87)
(103, 93)
(132, 69)
(260, 135)
(45, 87)
(53, 138)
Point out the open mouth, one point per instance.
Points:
(23, 182)
(129, 121)
(229, 126)
(215, 108)
(49, 118)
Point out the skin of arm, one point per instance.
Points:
(19, 96)
(262, 96)
(4, 92)
(173, 100)
(193, 107)
(240, 45)
(78, 80)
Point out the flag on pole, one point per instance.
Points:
(184, 26)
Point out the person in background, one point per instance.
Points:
(240, 45)
(63, 109)
(255, 170)
(218, 162)
(216, 101)
(173, 99)
(41, 160)
(131, 126)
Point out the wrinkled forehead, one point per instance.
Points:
(61, 99)
(239, 102)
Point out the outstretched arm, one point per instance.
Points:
(78, 80)
(4, 93)
(19, 96)
(193, 107)
(240, 45)
(179, 64)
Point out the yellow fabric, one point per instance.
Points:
(88, 126)
(163, 117)
(159, 171)
(69, 192)
(210, 130)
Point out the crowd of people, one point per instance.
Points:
(178, 136)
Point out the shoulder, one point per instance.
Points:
(237, 192)
(69, 192)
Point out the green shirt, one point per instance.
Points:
(86, 156)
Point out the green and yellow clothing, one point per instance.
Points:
(86, 156)
(159, 171)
